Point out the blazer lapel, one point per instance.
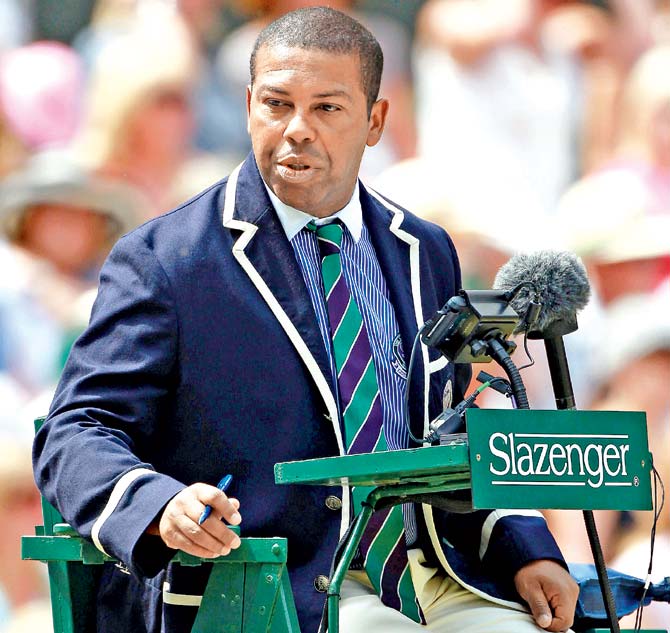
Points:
(267, 257)
(398, 255)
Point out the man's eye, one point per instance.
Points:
(274, 103)
(328, 107)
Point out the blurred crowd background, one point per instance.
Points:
(518, 125)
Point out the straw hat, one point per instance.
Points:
(54, 177)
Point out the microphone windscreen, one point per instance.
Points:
(559, 279)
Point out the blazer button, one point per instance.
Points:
(333, 502)
(321, 583)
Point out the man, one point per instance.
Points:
(209, 352)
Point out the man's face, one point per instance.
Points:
(309, 126)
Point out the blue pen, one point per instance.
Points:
(223, 486)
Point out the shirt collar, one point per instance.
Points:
(294, 220)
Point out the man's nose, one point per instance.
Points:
(300, 128)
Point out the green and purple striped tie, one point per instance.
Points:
(383, 543)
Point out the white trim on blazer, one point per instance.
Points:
(415, 280)
(248, 231)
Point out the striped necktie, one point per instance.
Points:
(383, 544)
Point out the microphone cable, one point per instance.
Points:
(658, 509)
(499, 353)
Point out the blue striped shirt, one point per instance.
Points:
(364, 278)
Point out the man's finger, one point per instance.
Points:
(221, 505)
(218, 530)
(179, 532)
(548, 588)
(219, 544)
(180, 540)
(564, 614)
(212, 534)
(539, 606)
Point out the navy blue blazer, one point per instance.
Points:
(203, 356)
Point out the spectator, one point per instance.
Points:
(41, 86)
(643, 153)
(139, 124)
(623, 208)
(608, 42)
(52, 233)
(499, 103)
(221, 125)
(60, 222)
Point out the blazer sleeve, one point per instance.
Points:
(108, 405)
(503, 540)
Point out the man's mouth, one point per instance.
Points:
(294, 170)
(295, 164)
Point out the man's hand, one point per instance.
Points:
(179, 529)
(550, 592)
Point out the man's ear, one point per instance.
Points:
(248, 106)
(377, 121)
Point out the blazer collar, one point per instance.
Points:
(397, 249)
(266, 255)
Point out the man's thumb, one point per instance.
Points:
(540, 610)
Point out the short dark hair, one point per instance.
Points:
(326, 29)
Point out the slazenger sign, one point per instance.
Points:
(536, 456)
(559, 459)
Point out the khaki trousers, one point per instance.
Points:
(448, 607)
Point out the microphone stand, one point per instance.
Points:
(565, 399)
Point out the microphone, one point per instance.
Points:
(556, 281)
(561, 287)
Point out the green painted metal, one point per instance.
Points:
(559, 459)
(248, 590)
(260, 598)
(382, 496)
(431, 463)
(221, 607)
(285, 618)
(394, 476)
(348, 552)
